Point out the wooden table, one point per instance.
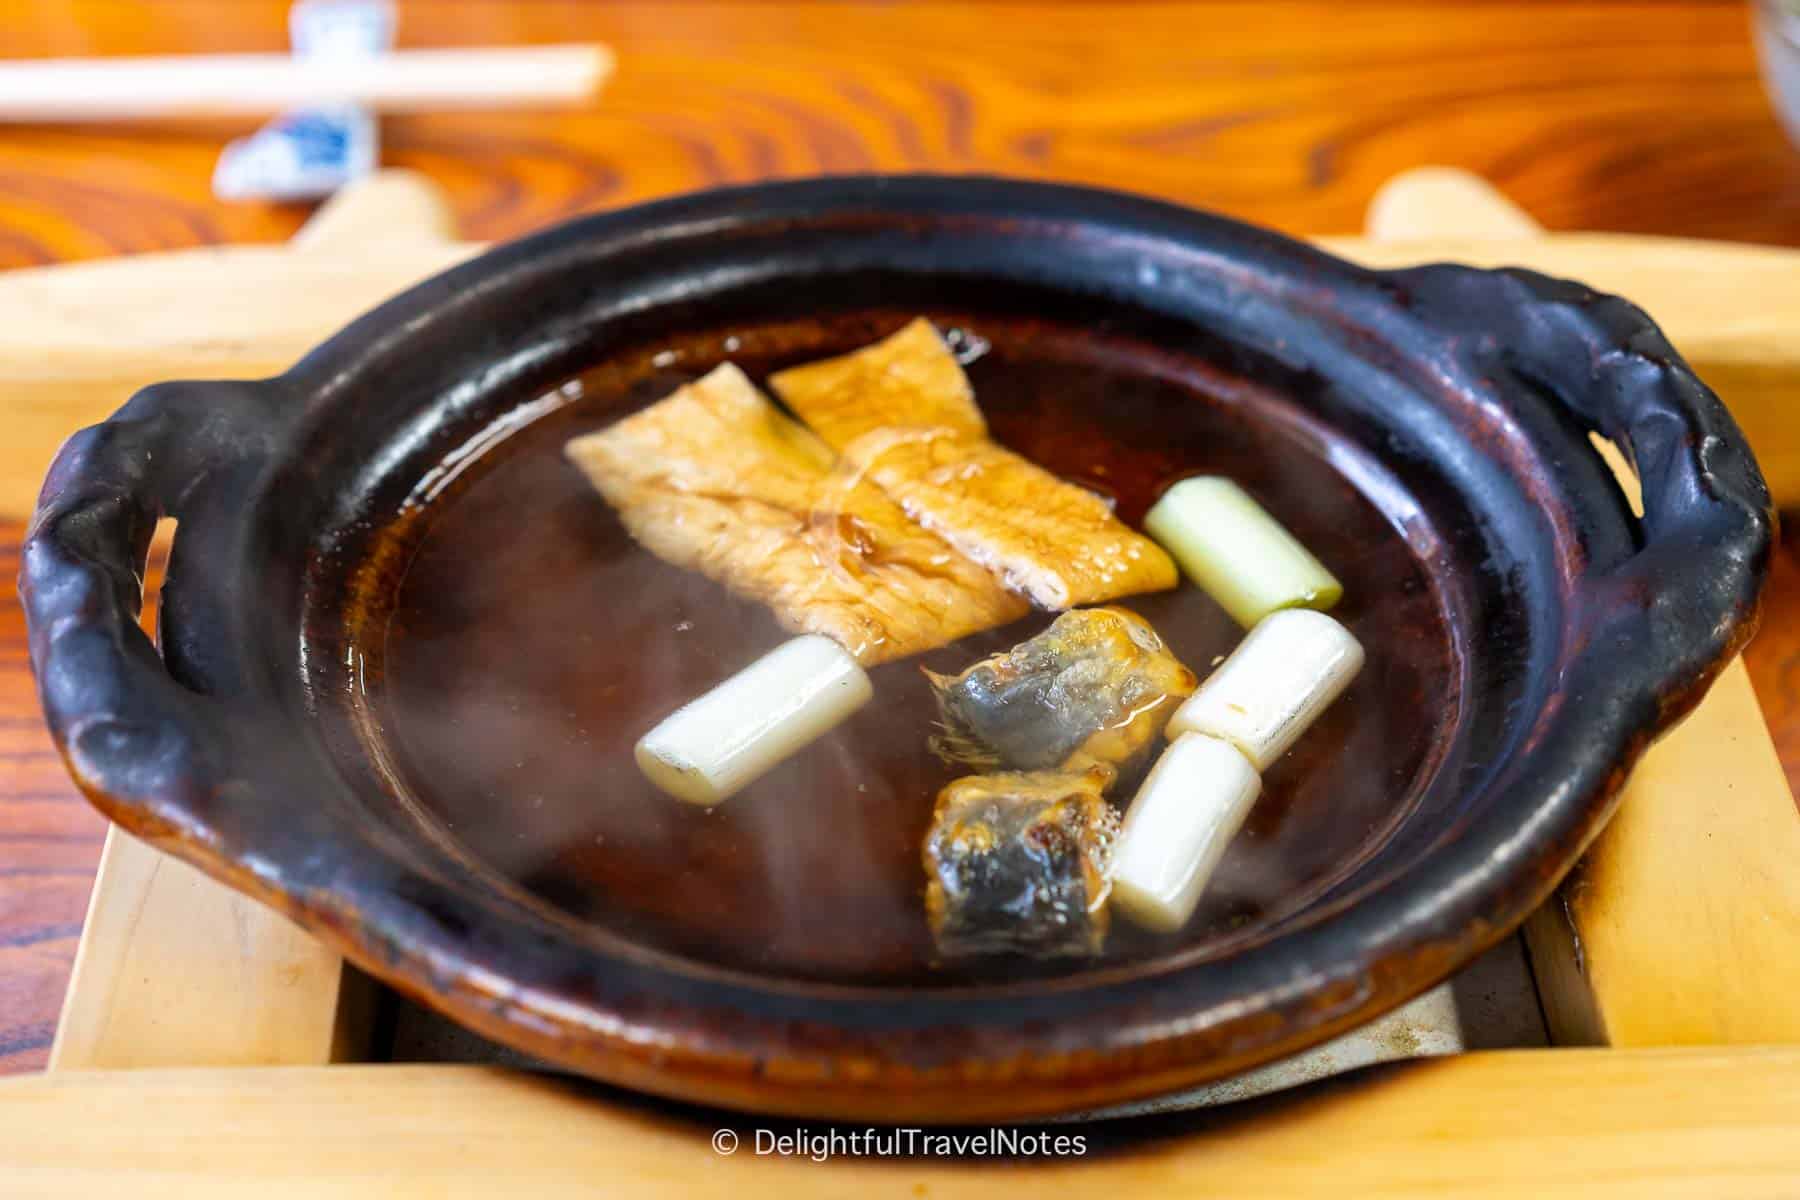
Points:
(1634, 117)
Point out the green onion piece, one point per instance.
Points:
(719, 743)
(1274, 686)
(1189, 808)
(1237, 552)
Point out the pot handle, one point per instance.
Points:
(1605, 362)
(131, 735)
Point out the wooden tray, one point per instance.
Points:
(190, 1056)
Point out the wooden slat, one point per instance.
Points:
(395, 207)
(108, 328)
(175, 969)
(1444, 202)
(1545, 1124)
(1682, 923)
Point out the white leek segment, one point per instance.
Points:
(1229, 545)
(721, 742)
(1191, 805)
(1283, 674)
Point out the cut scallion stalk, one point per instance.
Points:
(719, 743)
(1189, 808)
(1285, 673)
(1228, 544)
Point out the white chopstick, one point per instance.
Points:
(105, 89)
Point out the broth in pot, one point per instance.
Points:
(535, 641)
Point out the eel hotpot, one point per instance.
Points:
(386, 527)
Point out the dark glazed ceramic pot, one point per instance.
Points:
(1455, 405)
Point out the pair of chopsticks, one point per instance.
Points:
(105, 89)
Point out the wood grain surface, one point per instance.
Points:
(1632, 117)
(49, 845)
(1703, 1123)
